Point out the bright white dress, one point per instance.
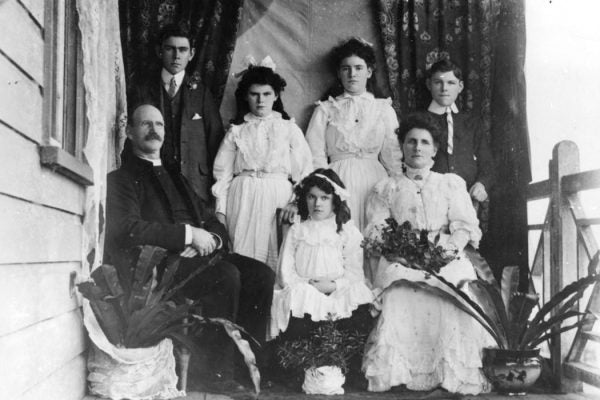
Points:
(420, 339)
(314, 250)
(355, 136)
(253, 169)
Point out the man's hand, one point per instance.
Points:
(323, 286)
(203, 241)
(189, 252)
(221, 218)
(478, 192)
(288, 213)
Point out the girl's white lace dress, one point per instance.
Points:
(253, 169)
(420, 339)
(314, 250)
(355, 136)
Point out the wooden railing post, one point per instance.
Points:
(563, 239)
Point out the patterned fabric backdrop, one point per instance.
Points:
(214, 24)
(486, 38)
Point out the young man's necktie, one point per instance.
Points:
(172, 87)
(450, 130)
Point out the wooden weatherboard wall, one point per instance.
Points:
(42, 341)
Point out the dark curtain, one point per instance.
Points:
(213, 23)
(487, 40)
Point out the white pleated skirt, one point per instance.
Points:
(251, 206)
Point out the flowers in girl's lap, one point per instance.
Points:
(407, 246)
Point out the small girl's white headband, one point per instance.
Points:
(337, 189)
(249, 61)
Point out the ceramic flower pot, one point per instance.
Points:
(323, 380)
(512, 372)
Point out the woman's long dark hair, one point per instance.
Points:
(340, 207)
(258, 76)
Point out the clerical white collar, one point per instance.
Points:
(166, 78)
(251, 117)
(155, 162)
(436, 108)
(363, 95)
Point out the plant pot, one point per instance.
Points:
(512, 372)
(323, 380)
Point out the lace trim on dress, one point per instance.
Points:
(260, 139)
(321, 233)
(356, 118)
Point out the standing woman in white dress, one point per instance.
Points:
(421, 340)
(354, 133)
(263, 152)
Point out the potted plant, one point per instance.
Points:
(323, 357)
(132, 318)
(508, 315)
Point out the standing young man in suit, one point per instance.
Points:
(193, 126)
(465, 149)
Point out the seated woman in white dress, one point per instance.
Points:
(421, 340)
(320, 273)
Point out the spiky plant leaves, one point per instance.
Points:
(455, 296)
(233, 330)
(482, 268)
(109, 320)
(141, 286)
(558, 298)
(509, 285)
(490, 300)
(520, 307)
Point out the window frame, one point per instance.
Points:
(65, 119)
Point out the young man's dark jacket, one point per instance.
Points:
(193, 127)
(472, 158)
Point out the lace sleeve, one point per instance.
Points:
(378, 208)
(391, 152)
(315, 136)
(352, 253)
(286, 268)
(300, 154)
(223, 170)
(461, 214)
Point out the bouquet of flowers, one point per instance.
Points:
(408, 246)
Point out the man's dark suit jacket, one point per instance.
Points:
(201, 127)
(471, 158)
(138, 211)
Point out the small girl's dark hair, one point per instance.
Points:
(340, 207)
(257, 75)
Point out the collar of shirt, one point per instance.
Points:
(166, 78)
(155, 162)
(439, 110)
(363, 95)
(251, 117)
(424, 172)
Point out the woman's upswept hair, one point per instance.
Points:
(419, 120)
(257, 75)
(340, 207)
(352, 47)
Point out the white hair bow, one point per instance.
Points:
(250, 61)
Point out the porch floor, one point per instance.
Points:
(285, 394)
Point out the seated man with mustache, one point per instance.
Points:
(148, 204)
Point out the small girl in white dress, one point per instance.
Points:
(263, 152)
(320, 273)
